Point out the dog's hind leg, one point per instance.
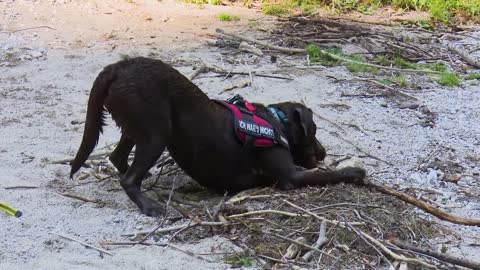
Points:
(146, 154)
(119, 156)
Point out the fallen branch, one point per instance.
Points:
(83, 243)
(465, 56)
(245, 47)
(223, 33)
(391, 89)
(393, 254)
(442, 257)
(427, 207)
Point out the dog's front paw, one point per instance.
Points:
(152, 208)
(353, 175)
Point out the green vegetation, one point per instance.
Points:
(317, 56)
(276, 9)
(400, 80)
(201, 2)
(358, 67)
(439, 10)
(449, 79)
(403, 63)
(239, 260)
(473, 76)
(224, 17)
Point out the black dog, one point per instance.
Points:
(157, 107)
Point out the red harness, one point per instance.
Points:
(250, 128)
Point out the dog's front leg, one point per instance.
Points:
(278, 162)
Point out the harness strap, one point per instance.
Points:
(251, 129)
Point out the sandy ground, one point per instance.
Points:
(45, 77)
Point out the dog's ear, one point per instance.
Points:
(304, 118)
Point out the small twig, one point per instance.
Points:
(35, 27)
(92, 156)
(176, 228)
(85, 244)
(234, 200)
(190, 253)
(238, 85)
(21, 187)
(158, 244)
(365, 152)
(359, 233)
(79, 198)
(268, 211)
(328, 120)
(299, 243)
(391, 89)
(338, 161)
(439, 256)
(331, 222)
(197, 71)
(322, 240)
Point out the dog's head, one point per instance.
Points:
(304, 146)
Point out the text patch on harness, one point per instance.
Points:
(256, 129)
(251, 129)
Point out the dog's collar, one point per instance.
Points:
(278, 114)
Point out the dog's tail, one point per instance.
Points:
(95, 119)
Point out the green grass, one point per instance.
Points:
(359, 67)
(473, 76)
(317, 56)
(239, 260)
(225, 17)
(403, 63)
(276, 9)
(439, 10)
(201, 2)
(401, 80)
(449, 79)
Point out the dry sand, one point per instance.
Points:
(45, 77)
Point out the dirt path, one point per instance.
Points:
(45, 76)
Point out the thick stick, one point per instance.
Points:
(442, 257)
(427, 207)
(464, 55)
(394, 255)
